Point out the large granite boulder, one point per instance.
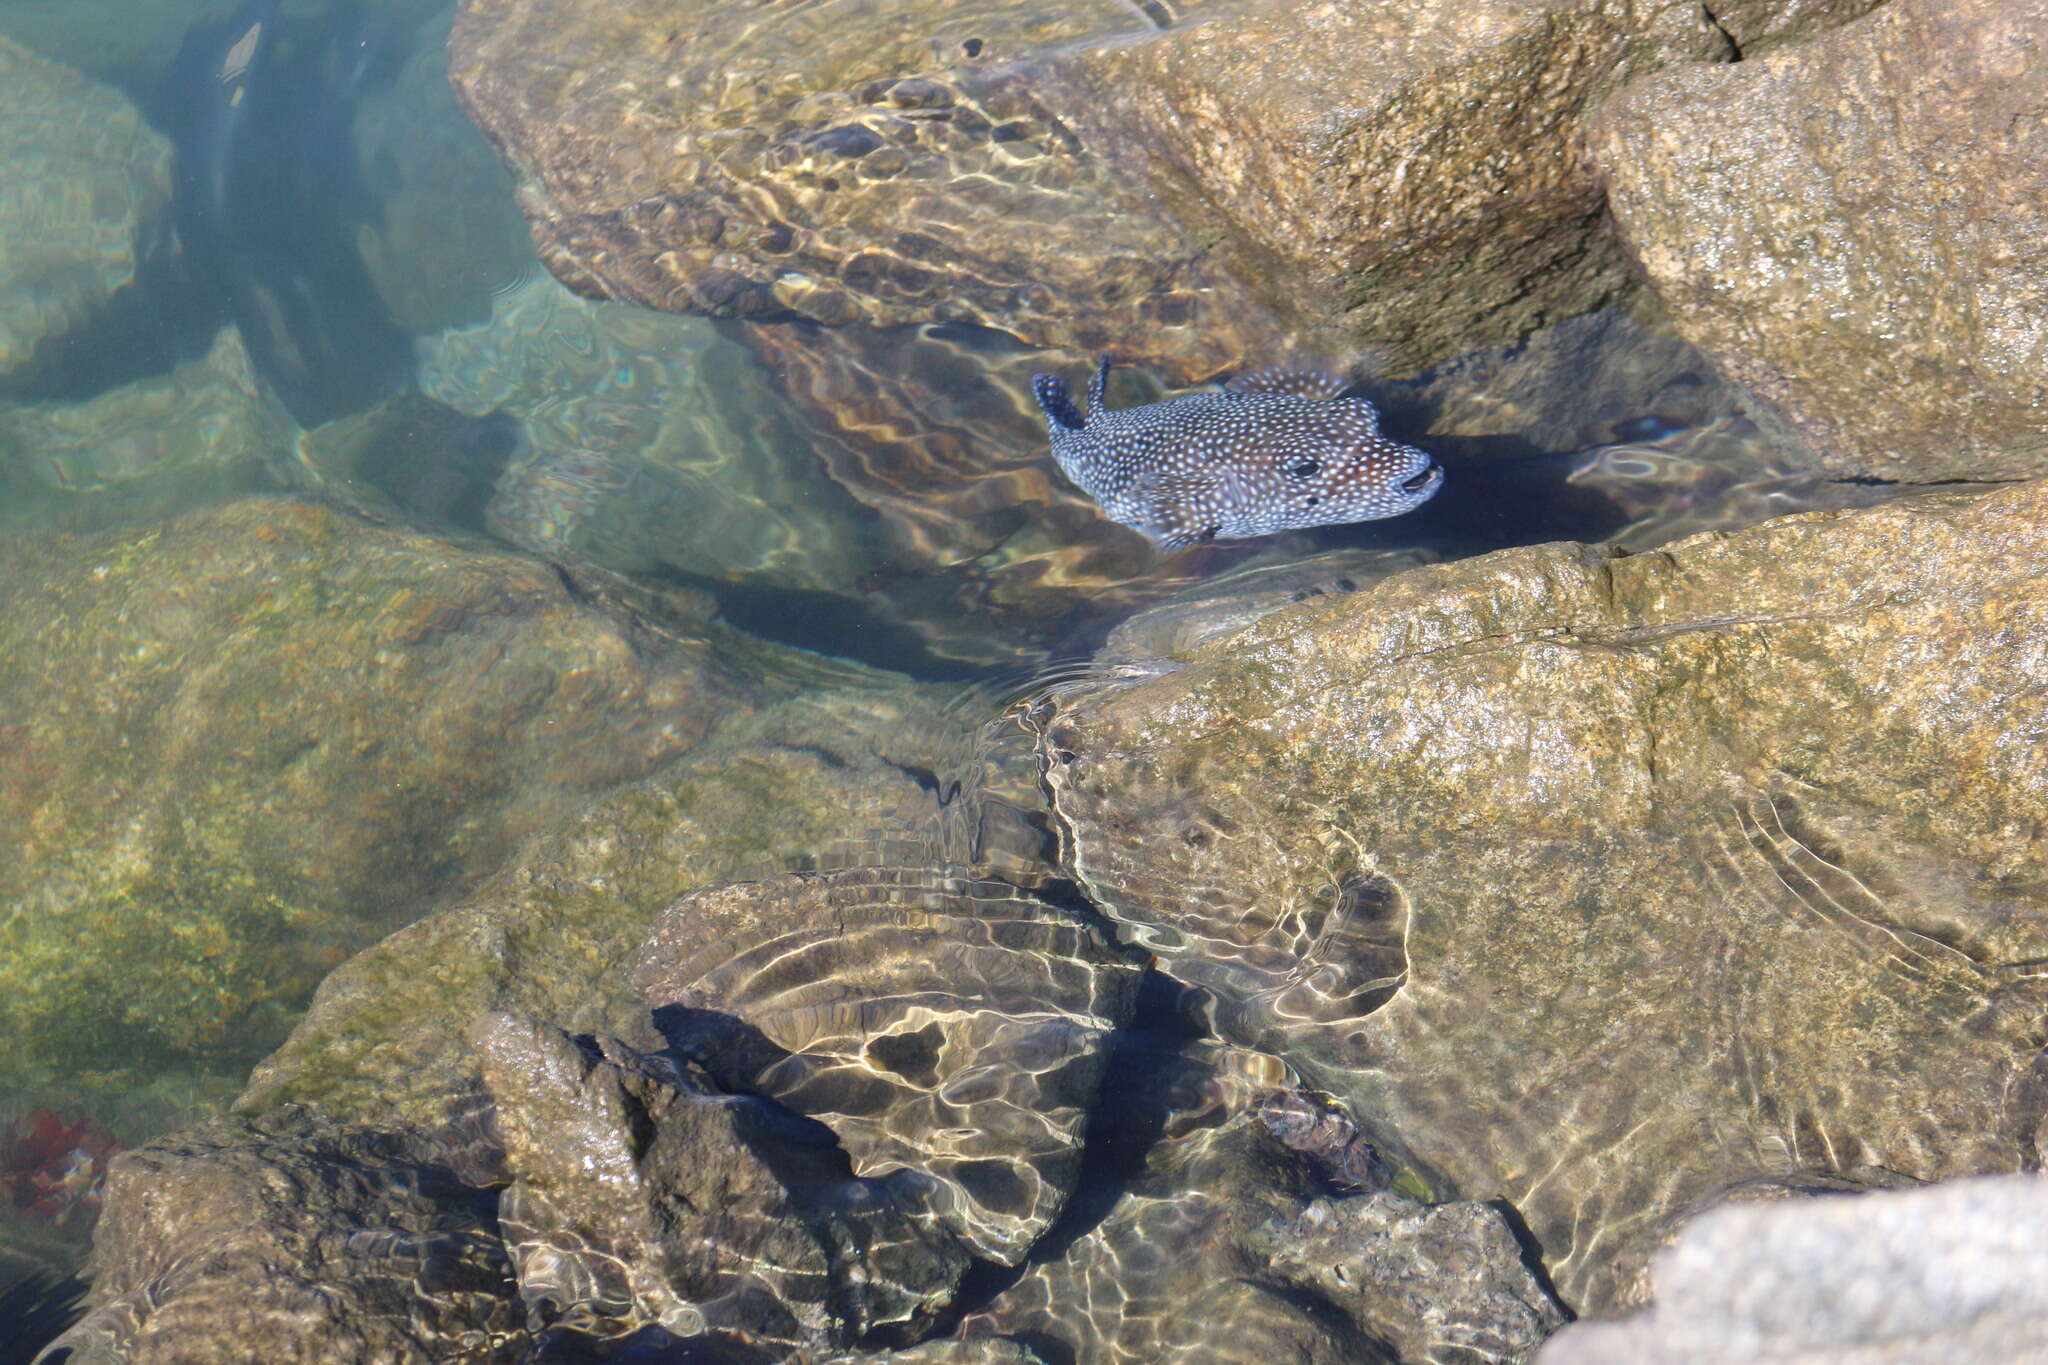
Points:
(83, 202)
(1181, 183)
(1605, 881)
(1871, 263)
(236, 746)
(1950, 1275)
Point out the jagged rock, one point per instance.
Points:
(241, 742)
(1441, 1282)
(1606, 881)
(642, 1197)
(1950, 1275)
(83, 198)
(319, 1242)
(1871, 265)
(945, 1026)
(1180, 182)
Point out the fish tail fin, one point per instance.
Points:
(1051, 393)
(1097, 386)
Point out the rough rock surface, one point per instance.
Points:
(1607, 881)
(1872, 264)
(1179, 182)
(1951, 1275)
(1213, 1208)
(237, 746)
(86, 186)
(812, 780)
(641, 1196)
(941, 1024)
(320, 1243)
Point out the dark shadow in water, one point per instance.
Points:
(826, 623)
(267, 203)
(35, 1310)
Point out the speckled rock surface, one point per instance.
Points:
(1950, 1275)
(1182, 183)
(1870, 264)
(87, 185)
(321, 1243)
(945, 1026)
(810, 781)
(1479, 850)
(237, 746)
(644, 1198)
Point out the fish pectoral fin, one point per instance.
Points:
(1295, 383)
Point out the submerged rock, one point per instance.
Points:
(1179, 183)
(234, 747)
(83, 200)
(1951, 1275)
(319, 1242)
(641, 1198)
(1871, 265)
(1606, 881)
(946, 1027)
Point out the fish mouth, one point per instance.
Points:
(1425, 482)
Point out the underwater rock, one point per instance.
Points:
(827, 776)
(152, 447)
(321, 1242)
(1606, 881)
(945, 1026)
(1179, 183)
(1949, 1275)
(237, 746)
(1436, 1282)
(1870, 266)
(83, 201)
(641, 1197)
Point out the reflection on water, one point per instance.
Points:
(270, 257)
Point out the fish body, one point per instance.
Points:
(1279, 451)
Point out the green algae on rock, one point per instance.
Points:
(236, 746)
(1606, 881)
(1870, 264)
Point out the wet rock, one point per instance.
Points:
(648, 444)
(981, 1351)
(1442, 1282)
(320, 1242)
(159, 445)
(1944, 1276)
(1869, 266)
(86, 189)
(1182, 184)
(236, 746)
(946, 1027)
(641, 1197)
(1484, 853)
(812, 780)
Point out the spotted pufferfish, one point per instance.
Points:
(1275, 451)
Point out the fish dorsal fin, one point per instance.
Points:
(1097, 386)
(1051, 392)
(1291, 382)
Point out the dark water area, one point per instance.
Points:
(364, 573)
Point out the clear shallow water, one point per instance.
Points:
(334, 297)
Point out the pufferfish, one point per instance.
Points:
(1276, 451)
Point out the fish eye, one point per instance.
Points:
(1313, 500)
(1307, 469)
(1210, 532)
